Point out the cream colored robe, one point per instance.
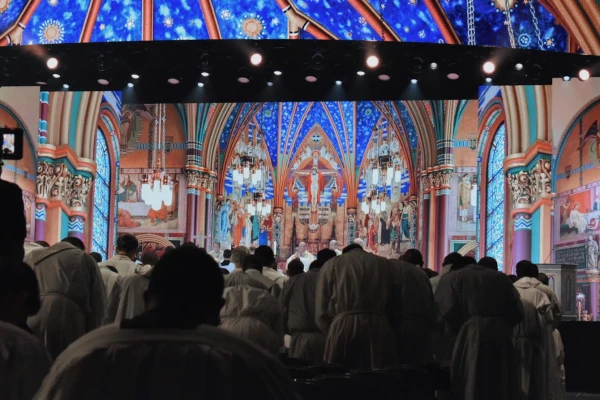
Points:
(253, 314)
(481, 306)
(123, 264)
(112, 284)
(72, 294)
(353, 293)
(156, 364)
(132, 303)
(24, 363)
(298, 299)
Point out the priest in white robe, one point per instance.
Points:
(304, 255)
(127, 250)
(413, 313)
(267, 258)
(353, 293)
(24, 361)
(298, 299)
(481, 307)
(73, 297)
(254, 268)
(333, 245)
(173, 350)
(131, 303)
(112, 285)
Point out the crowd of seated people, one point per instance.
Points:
(229, 325)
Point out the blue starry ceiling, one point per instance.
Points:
(63, 21)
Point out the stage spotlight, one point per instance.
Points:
(453, 76)
(372, 61)
(518, 66)
(488, 79)
(135, 76)
(489, 67)
(276, 72)
(243, 79)
(65, 86)
(384, 77)
(584, 75)
(129, 84)
(360, 73)
(256, 59)
(103, 82)
(413, 81)
(338, 82)
(204, 74)
(173, 81)
(433, 66)
(566, 78)
(56, 76)
(52, 63)
(269, 83)
(200, 84)
(310, 79)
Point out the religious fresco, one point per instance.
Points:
(528, 24)
(150, 195)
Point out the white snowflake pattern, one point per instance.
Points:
(275, 21)
(362, 21)
(53, 3)
(130, 24)
(225, 14)
(102, 27)
(422, 34)
(196, 23)
(168, 22)
(413, 2)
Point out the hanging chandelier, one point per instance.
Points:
(250, 162)
(258, 205)
(157, 187)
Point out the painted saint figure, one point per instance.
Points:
(127, 191)
(592, 253)
(577, 219)
(464, 197)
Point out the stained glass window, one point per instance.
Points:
(101, 197)
(494, 225)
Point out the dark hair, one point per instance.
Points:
(127, 243)
(351, 247)
(225, 271)
(430, 273)
(96, 256)
(325, 255)
(191, 245)
(199, 295)
(17, 277)
(542, 277)
(489, 262)
(252, 262)
(168, 250)
(413, 256)
(295, 267)
(451, 258)
(463, 262)
(75, 242)
(226, 253)
(265, 255)
(149, 258)
(316, 264)
(513, 278)
(42, 243)
(527, 269)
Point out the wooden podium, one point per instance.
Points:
(563, 280)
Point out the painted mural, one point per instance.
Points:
(527, 24)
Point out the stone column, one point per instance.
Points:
(440, 185)
(424, 224)
(277, 230)
(40, 221)
(43, 122)
(193, 192)
(351, 229)
(76, 227)
(521, 238)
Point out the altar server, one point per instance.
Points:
(481, 307)
(353, 291)
(267, 258)
(24, 361)
(123, 262)
(72, 295)
(304, 255)
(172, 350)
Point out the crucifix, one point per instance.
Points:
(314, 183)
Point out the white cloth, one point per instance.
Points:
(217, 255)
(32, 247)
(338, 252)
(229, 267)
(353, 291)
(481, 306)
(123, 265)
(577, 221)
(272, 287)
(413, 313)
(253, 314)
(275, 276)
(243, 279)
(435, 281)
(306, 258)
(112, 285)
(132, 302)
(24, 363)
(158, 364)
(530, 355)
(555, 307)
(72, 294)
(298, 300)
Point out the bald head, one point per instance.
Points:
(333, 245)
(301, 248)
(359, 242)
